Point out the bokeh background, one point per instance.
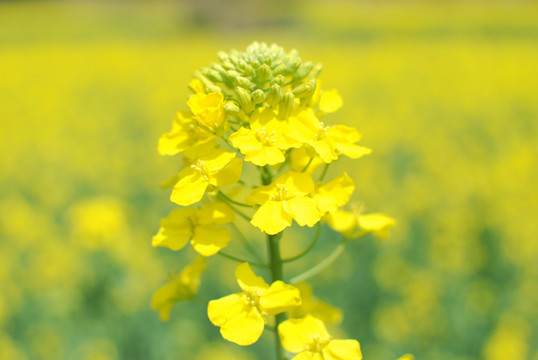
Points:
(445, 93)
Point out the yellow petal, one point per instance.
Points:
(343, 134)
(265, 155)
(189, 189)
(318, 308)
(217, 159)
(335, 193)
(342, 221)
(342, 350)
(407, 357)
(247, 280)
(228, 175)
(174, 239)
(326, 150)
(163, 300)
(307, 355)
(303, 126)
(216, 213)
(296, 183)
(330, 101)
(303, 209)
(222, 310)
(245, 140)
(271, 217)
(196, 86)
(377, 223)
(353, 151)
(279, 297)
(260, 195)
(245, 328)
(207, 240)
(296, 334)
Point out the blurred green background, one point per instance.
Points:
(445, 93)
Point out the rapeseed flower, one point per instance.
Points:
(285, 199)
(203, 227)
(185, 135)
(312, 305)
(309, 338)
(353, 224)
(265, 141)
(242, 316)
(179, 287)
(216, 168)
(208, 110)
(334, 194)
(327, 141)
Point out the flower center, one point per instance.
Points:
(321, 131)
(201, 169)
(317, 344)
(252, 298)
(281, 193)
(266, 138)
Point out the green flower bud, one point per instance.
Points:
(293, 65)
(228, 65)
(304, 90)
(242, 81)
(249, 71)
(287, 105)
(232, 106)
(280, 80)
(264, 72)
(232, 74)
(258, 96)
(279, 69)
(303, 70)
(316, 70)
(223, 57)
(274, 95)
(244, 99)
(214, 75)
(219, 68)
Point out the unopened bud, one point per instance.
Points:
(279, 69)
(249, 71)
(287, 105)
(264, 72)
(223, 57)
(244, 99)
(280, 80)
(293, 65)
(214, 75)
(242, 81)
(274, 95)
(316, 70)
(228, 65)
(258, 96)
(232, 74)
(304, 90)
(303, 70)
(218, 67)
(231, 106)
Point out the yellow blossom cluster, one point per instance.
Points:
(265, 109)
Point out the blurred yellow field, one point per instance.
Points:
(444, 94)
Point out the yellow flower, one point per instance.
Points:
(201, 227)
(328, 141)
(284, 199)
(309, 338)
(335, 193)
(185, 135)
(208, 109)
(312, 305)
(196, 86)
(354, 224)
(330, 101)
(217, 168)
(406, 357)
(182, 286)
(241, 316)
(303, 156)
(264, 143)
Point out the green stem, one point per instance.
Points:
(246, 244)
(233, 201)
(238, 212)
(307, 250)
(308, 164)
(275, 264)
(322, 176)
(322, 265)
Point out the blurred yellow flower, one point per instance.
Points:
(208, 110)
(328, 141)
(185, 135)
(285, 199)
(200, 226)
(182, 286)
(335, 193)
(330, 101)
(406, 357)
(241, 316)
(312, 305)
(216, 168)
(354, 224)
(309, 338)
